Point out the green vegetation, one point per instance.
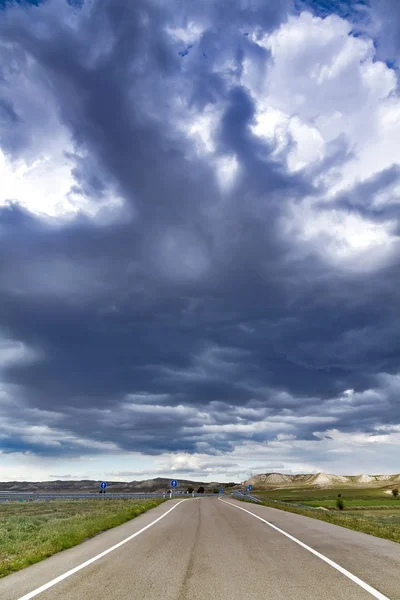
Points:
(367, 510)
(340, 503)
(355, 503)
(395, 492)
(309, 495)
(353, 498)
(32, 531)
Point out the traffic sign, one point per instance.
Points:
(103, 485)
(174, 483)
(249, 487)
(221, 491)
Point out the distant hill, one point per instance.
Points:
(269, 481)
(149, 485)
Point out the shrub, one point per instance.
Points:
(200, 490)
(340, 503)
(190, 489)
(395, 492)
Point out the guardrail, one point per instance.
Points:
(37, 496)
(245, 496)
(47, 495)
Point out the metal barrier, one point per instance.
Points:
(244, 496)
(37, 496)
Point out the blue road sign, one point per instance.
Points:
(174, 483)
(221, 491)
(103, 485)
(249, 487)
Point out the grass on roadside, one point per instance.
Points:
(354, 503)
(383, 523)
(311, 495)
(30, 532)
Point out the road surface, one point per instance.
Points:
(200, 549)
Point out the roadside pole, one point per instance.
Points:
(173, 484)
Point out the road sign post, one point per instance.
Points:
(174, 485)
(249, 488)
(103, 486)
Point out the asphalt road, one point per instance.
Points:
(213, 549)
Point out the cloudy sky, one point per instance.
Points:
(199, 238)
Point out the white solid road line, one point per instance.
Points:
(330, 562)
(53, 582)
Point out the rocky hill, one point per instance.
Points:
(269, 481)
(159, 484)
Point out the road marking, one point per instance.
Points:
(330, 562)
(53, 582)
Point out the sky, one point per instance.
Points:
(199, 238)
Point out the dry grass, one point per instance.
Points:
(32, 531)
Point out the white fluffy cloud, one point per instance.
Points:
(38, 155)
(324, 91)
(325, 87)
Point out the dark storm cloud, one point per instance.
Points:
(387, 41)
(7, 112)
(192, 323)
(363, 199)
(12, 134)
(355, 10)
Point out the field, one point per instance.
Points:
(352, 497)
(369, 510)
(311, 495)
(32, 531)
(356, 503)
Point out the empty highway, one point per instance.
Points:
(200, 549)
